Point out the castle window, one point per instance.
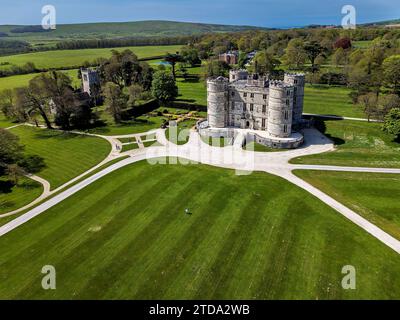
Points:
(295, 81)
(286, 115)
(287, 102)
(264, 108)
(245, 94)
(252, 95)
(233, 93)
(251, 107)
(263, 123)
(264, 96)
(233, 77)
(244, 107)
(285, 128)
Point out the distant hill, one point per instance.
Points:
(120, 29)
(383, 23)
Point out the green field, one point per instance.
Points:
(330, 100)
(359, 144)
(138, 125)
(267, 240)
(139, 29)
(375, 196)
(66, 155)
(74, 58)
(23, 80)
(14, 197)
(181, 133)
(5, 123)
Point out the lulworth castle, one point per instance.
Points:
(270, 110)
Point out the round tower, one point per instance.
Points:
(280, 115)
(297, 80)
(217, 102)
(235, 75)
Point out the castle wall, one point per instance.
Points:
(280, 110)
(298, 81)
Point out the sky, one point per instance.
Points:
(265, 13)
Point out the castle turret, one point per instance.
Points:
(298, 81)
(217, 102)
(280, 109)
(235, 75)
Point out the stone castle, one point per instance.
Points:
(270, 110)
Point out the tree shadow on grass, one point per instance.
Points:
(320, 125)
(6, 187)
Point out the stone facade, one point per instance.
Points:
(269, 111)
(90, 78)
(256, 103)
(231, 57)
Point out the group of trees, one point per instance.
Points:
(47, 94)
(13, 162)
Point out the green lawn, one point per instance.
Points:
(375, 196)
(127, 237)
(181, 133)
(5, 123)
(14, 197)
(23, 80)
(359, 144)
(129, 147)
(253, 146)
(72, 58)
(66, 155)
(321, 99)
(140, 124)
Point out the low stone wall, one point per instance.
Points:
(277, 143)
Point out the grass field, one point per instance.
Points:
(71, 58)
(140, 124)
(66, 155)
(23, 80)
(267, 240)
(181, 133)
(374, 196)
(360, 144)
(322, 99)
(14, 197)
(5, 123)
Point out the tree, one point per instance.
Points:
(215, 68)
(32, 100)
(343, 43)
(14, 172)
(57, 87)
(173, 59)
(116, 101)
(135, 92)
(295, 55)
(164, 87)
(7, 103)
(190, 56)
(182, 70)
(392, 123)
(313, 49)
(369, 103)
(340, 57)
(391, 72)
(265, 62)
(10, 150)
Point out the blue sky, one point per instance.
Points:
(268, 13)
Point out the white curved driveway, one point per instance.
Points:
(232, 157)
